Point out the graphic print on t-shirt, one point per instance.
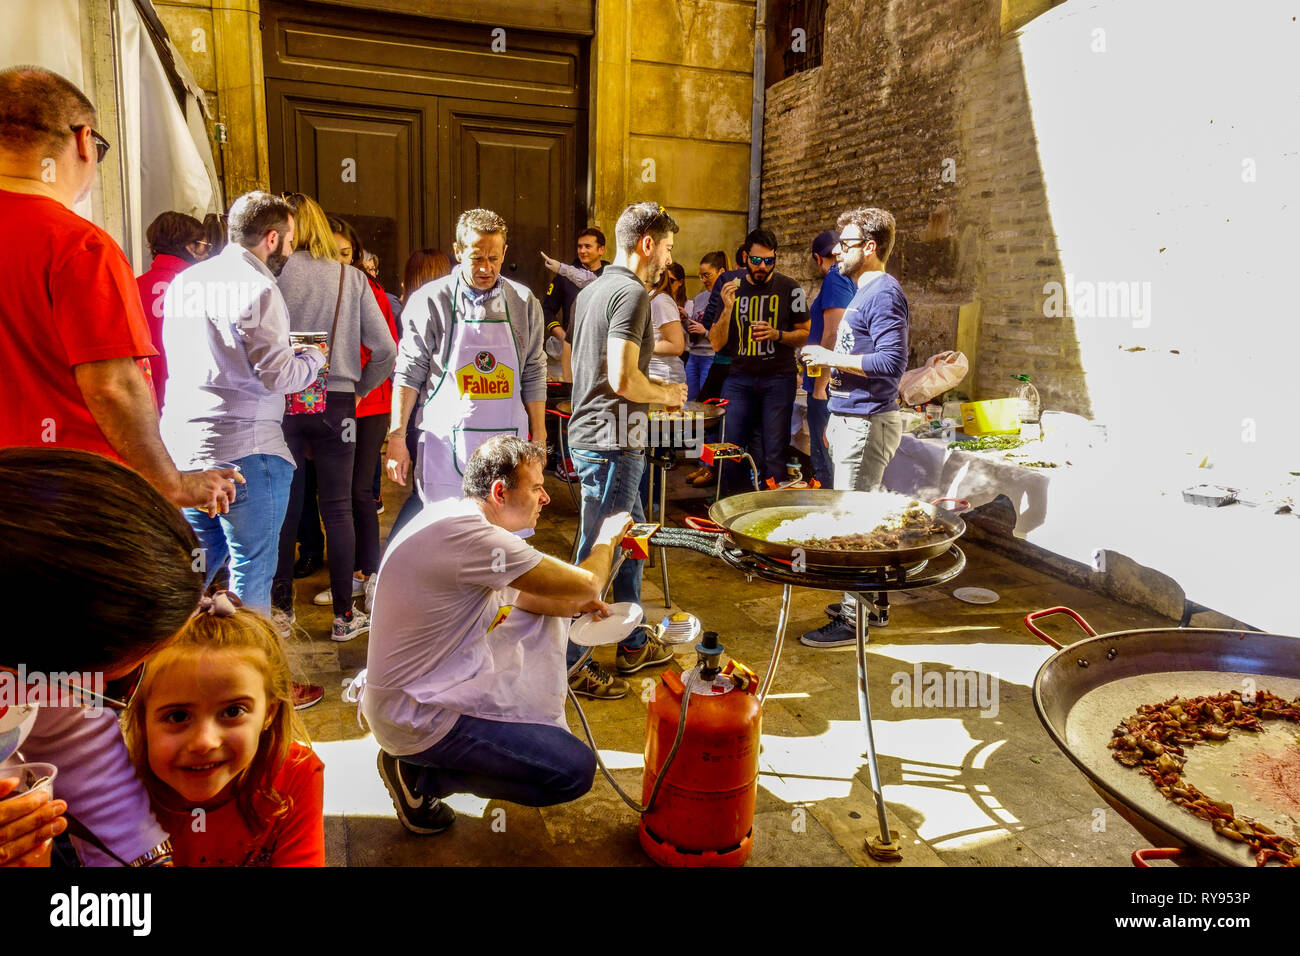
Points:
(841, 379)
(751, 309)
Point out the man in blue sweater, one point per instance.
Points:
(869, 358)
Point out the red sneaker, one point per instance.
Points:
(307, 695)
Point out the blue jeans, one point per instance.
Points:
(819, 414)
(697, 370)
(611, 482)
(535, 765)
(760, 404)
(249, 533)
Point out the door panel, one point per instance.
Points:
(345, 85)
(517, 167)
(362, 162)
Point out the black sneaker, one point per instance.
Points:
(833, 611)
(834, 633)
(307, 565)
(418, 813)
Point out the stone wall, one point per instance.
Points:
(221, 43)
(1060, 166)
(919, 107)
(690, 87)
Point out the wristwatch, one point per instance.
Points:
(161, 855)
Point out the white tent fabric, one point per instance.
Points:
(165, 168)
(43, 33)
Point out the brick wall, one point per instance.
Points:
(920, 107)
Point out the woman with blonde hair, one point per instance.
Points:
(325, 296)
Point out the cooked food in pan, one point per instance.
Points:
(891, 522)
(1156, 740)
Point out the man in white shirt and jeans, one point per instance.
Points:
(226, 335)
(466, 676)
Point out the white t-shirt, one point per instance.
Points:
(669, 368)
(437, 649)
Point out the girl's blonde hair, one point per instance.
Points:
(311, 227)
(255, 637)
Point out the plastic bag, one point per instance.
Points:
(939, 373)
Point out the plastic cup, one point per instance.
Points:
(199, 466)
(32, 776)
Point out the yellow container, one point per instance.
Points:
(998, 416)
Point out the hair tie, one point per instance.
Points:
(220, 604)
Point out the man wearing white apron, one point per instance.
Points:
(465, 674)
(471, 357)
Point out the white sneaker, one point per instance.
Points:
(354, 623)
(284, 623)
(327, 596)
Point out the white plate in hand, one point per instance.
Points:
(589, 631)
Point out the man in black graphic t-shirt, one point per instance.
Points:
(764, 319)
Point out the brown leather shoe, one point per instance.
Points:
(706, 477)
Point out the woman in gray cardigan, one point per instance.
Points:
(310, 284)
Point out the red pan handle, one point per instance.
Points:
(1142, 857)
(703, 524)
(1035, 615)
(720, 402)
(965, 505)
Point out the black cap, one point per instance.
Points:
(825, 242)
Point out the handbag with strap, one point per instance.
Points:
(311, 400)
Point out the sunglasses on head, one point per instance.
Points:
(659, 217)
(101, 145)
(762, 260)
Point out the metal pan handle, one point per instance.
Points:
(1142, 857)
(1035, 615)
(703, 524)
(965, 505)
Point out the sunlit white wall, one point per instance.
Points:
(1169, 135)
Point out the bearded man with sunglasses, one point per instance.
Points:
(762, 322)
(72, 328)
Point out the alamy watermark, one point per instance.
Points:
(946, 689)
(651, 430)
(1084, 299)
(23, 688)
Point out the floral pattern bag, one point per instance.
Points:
(311, 400)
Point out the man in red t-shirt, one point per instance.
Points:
(71, 322)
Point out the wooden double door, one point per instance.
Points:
(398, 124)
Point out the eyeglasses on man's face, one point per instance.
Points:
(762, 260)
(101, 145)
(851, 242)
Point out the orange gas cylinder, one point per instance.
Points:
(704, 812)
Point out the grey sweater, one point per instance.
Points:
(310, 288)
(426, 317)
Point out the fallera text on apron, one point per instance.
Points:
(478, 395)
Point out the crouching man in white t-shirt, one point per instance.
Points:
(465, 675)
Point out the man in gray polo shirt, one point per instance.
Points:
(612, 344)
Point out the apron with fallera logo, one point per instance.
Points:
(478, 395)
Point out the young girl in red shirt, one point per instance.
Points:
(215, 738)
